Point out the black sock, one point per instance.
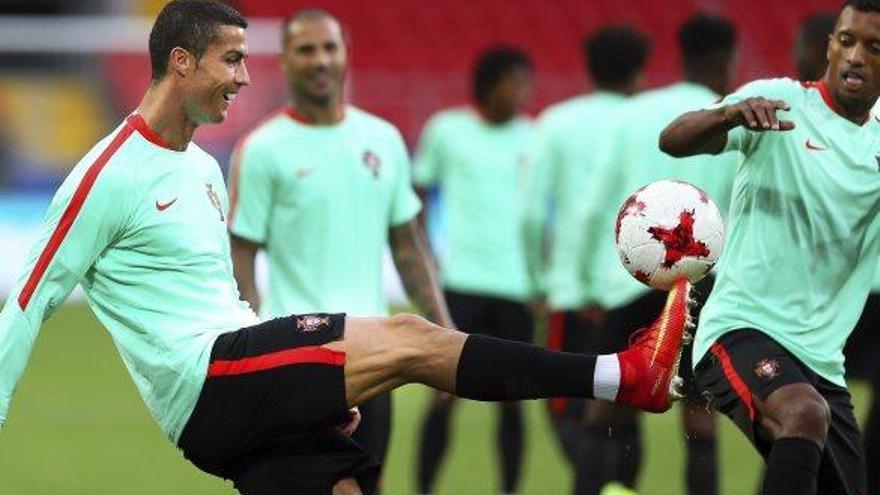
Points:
(792, 467)
(435, 437)
(702, 466)
(510, 445)
(628, 457)
(591, 461)
(492, 369)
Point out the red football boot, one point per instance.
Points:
(649, 366)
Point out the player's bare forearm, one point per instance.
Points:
(701, 131)
(417, 271)
(244, 255)
(705, 131)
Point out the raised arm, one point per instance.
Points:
(705, 131)
(417, 272)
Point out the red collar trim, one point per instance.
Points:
(828, 99)
(140, 125)
(294, 114)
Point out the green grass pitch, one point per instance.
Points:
(77, 427)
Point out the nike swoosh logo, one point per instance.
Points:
(811, 146)
(165, 206)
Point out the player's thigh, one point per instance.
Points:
(266, 381)
(743, 367)
(384, 353)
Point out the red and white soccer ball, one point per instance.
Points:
(667, 230)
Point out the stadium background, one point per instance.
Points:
(69, 71)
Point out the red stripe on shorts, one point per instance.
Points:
(69, 216)
(739, 386)
(555, 339)
(287, 357)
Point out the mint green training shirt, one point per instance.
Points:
(479, 169)
(320, 200)
(564, 177)
(633, 159)
(142, 228)
(802, 243)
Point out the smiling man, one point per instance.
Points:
(802, 249)
(326, 168)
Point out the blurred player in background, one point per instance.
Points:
(801, 255)
(140, 224)
(811, 60)
(631, 160)
(560, 188)
(476, 155)
(811, 46)
(324, 187)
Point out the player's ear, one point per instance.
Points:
(181, 61)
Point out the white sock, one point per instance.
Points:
(606, 378)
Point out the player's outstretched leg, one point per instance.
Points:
(382, 354)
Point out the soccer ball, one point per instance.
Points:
(667, 230)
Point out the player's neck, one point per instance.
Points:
(855, 113)
(163, 112)
(318, 113)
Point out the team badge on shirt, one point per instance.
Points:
(767, 369)
(215, 200)
(372, 162)
(311, 323)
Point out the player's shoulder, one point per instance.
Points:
(369, 121)
(777, 88)
(453, 117)
(267, 131)
(362, 117)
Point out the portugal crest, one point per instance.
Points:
(372, 162)
(311, 323)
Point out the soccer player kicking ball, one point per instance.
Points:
(801, 254)
(140, 224)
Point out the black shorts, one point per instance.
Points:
(568, 332)
(621, 323)
(487, 315)
(267, 414)
(747, 363)
(861, 347)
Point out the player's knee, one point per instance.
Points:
(809, 417)
(407, 323)
(408, 332)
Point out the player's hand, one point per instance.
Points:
(354, 419)
(758, 114)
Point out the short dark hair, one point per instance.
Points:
(307, 14)
(615, 54)
(705, 36)
(862, 5)
(493, 65)
(191, 25)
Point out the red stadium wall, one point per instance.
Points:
(410, 58)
